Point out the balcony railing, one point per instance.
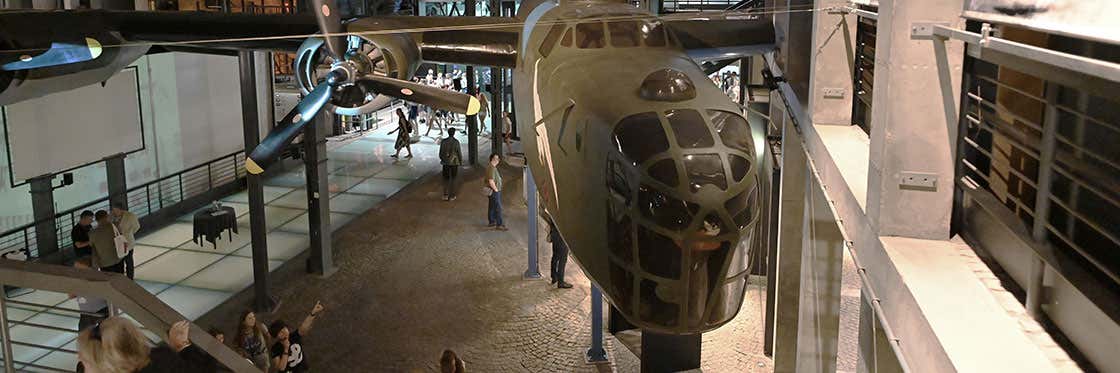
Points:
(143, 200)
(123, 295)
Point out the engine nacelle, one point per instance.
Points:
(392, 55)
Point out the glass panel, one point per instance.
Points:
(622, 287)
(727, 300)
(704, 169)
(619, 183)
(744, 217)
(620, 233)
(590, 35)
(550, 39)
(737, 203)
(652, 309)
(624, 33)
(640, 136)
(705, 277)
(739, 167)
(741, 257)
(654, 34)
(732, 129)
(690, 128)
(665, 211)
(665, 171)
(658, 254)
(566, 41)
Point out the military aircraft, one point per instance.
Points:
(648, 170)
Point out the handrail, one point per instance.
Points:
(119, 291)
(187, 182)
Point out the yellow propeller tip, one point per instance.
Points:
(473, 107)
(253, 167)
(94, 47)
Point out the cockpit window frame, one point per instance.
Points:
(624, 30)
(581, 31)
(551, 39)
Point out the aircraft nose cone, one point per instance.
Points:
(680, 218)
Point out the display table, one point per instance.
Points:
(209, 224)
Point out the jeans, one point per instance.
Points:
(559, 259)
(450, 173)
(130, 265)
(494, 212)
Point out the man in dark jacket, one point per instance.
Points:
(559, 256)
(451, 157)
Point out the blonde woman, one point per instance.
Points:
(116, 345)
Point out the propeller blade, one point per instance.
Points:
(59, 54)
(291, 126)
(422, 94)
(327, 14)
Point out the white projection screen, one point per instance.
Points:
(70, 129)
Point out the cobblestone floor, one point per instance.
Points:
(417, 275)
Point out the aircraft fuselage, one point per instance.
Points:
(646, 167)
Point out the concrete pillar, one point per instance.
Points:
(596, 354)
(534, 271)
(42, 208)
(914, 120)
(318, 195)
(263, 301)
(115, 178)
(45, 4)
(875, 353)
(663, 353)
(830, 88)
(472, 120)
(112, 4)
(791, 220)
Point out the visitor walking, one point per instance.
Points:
(494, 185)
(404, 127)
(80, 235)
(559, 256)
(128, 224)
(106, 254)
(451, 157)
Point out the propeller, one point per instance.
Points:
(60, 53)
(351, 77)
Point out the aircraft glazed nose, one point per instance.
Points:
(680, 215)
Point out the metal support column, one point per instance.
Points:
(263, 301)
(115, 178)
(1036, 293)
(472, 120)
(318, 195)
(42, 209)
(744, 78)
(533, 272)
(496, 120)
(663, 353)
(9, 361)
(596, 354)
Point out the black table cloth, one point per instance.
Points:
(209, 224)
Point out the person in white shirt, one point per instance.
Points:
(128, 224)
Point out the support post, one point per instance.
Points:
(472, 120)
(9, 366)
(792, 222)
(115, 178)
(596, 354)
(663, 353)
(42, 209)
(318, 195)
(496, 121)
(1036, 289)
(533, 272)
(263, 301)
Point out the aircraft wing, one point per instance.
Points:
(489, 41)
(723, 36)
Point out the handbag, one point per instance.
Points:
(486, 191)
(120, 242)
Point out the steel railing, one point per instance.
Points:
(142, 200)
(124, 296)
